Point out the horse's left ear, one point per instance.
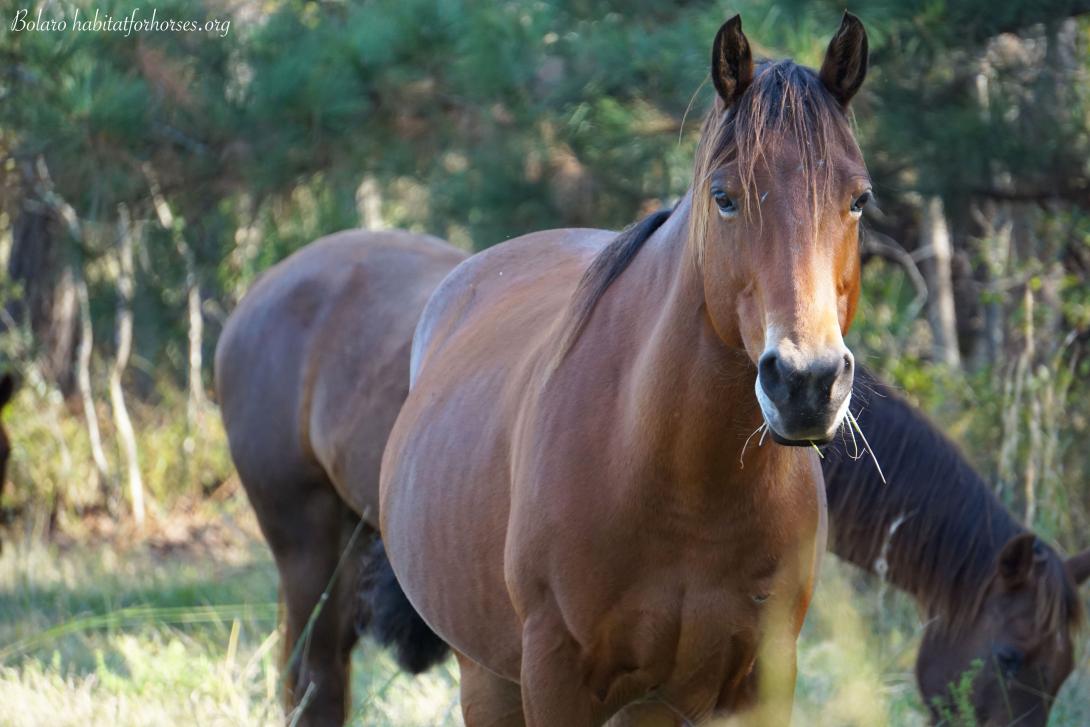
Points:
(1015, 563)
(732, 61)
(7, 388)
(1079, 566)
(845, 64)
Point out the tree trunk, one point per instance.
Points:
(60, 337)
(369, 204)
(941, 311)
(195, 401)
(993, 254)
(83, 380)
(993, 246)
(1029, 473)
(48, 302)
(124, 349)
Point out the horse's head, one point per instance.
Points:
(7, 388)
(779, 188)
(1007, 662)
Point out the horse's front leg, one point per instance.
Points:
(553, 690)
(765, 697)
(488, 700)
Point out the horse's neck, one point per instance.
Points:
(693, 392)
(933, 529)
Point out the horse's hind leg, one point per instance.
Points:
(488, 700)
(318, 644)
(309, 529)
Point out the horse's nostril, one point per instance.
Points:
(768, 369)
(823, 379)
(807, 390)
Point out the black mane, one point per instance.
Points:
(952, 527)
(607, 265)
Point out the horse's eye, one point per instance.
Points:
(860, 202)
(726, 205)
(1009, 660)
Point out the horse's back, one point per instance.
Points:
(313, 365)
(523, 285)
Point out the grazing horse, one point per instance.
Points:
(311, 370)
(7, 389)
(560, 496)
(992, 591)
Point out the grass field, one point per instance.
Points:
(184, 633)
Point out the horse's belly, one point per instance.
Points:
(444, 518)
(446, 472)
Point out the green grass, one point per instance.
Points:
(92, 636)
(97, 637)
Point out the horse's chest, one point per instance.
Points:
(693, 650)
(691, 620)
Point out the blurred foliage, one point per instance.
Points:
(482, 121)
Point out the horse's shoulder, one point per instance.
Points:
(529, 257)
(525, 280)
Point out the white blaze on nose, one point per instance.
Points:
(774, 340)
(842, 411)
(768, 410)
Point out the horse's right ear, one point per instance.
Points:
(7, 388)
(732, 61)
(1015, 563)
(1079, 566)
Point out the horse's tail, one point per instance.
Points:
(394, 622)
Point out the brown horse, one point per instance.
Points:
(992, 591)
(311, 371)
(561, 498)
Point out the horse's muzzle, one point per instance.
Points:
(804, 402)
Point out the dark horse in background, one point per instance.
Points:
(7, 389)
(311, 371)
(356, 296)
(992, 592)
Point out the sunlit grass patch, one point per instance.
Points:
(94, 636)
(856, 655)
(384, 696)
(147, 679)
(100, 638)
